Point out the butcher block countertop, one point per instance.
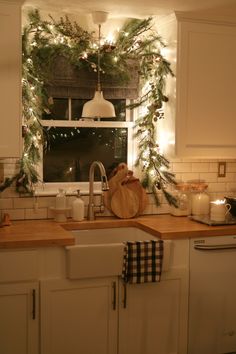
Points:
(43, 233)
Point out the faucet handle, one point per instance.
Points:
(105, 185)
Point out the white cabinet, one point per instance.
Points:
(19, 301)
(87, 316)
(103, 316)
(19, 318)
(79, 316)
(10, 83)
(206, 76)
(90, 316)
(153, 317)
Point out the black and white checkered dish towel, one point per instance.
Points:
(142, 261)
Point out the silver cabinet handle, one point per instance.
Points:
(33, 304)
(125, 295)
(215, 247)
(114, 295)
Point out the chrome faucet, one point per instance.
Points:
(91, 207)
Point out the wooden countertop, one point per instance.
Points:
(31, 233)
(42, 233)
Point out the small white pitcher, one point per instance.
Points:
(219, 209)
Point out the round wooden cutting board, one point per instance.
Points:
(124, 203)
(114, 184)
(134, 185)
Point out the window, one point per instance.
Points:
(72, 144)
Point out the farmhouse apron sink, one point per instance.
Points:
(99, 252)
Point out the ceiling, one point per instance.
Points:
(133, 8)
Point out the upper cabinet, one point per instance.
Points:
(205, 88)
(10, 83)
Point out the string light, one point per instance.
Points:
(110, 38)
(84, 55)
(31, 112)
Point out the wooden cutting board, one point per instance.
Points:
(113, 182)
(134, 185)
(124, 202)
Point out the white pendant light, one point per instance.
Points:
(98, 107)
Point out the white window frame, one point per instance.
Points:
(51, 188)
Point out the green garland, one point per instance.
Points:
(43, 41)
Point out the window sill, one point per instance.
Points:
(51, 189)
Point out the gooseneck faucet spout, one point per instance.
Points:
(105, 187)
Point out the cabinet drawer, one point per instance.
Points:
(18, 265)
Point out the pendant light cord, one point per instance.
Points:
(99, 58)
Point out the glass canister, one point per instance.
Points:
(200, 199)
(182, 194)
(61, 199)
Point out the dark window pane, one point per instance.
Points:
(77, 107)
(70, 152)
(59, 110)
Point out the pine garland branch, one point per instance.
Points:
(44, 40)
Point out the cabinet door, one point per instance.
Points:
(206, 76)
(153, 317)
(19, 318)
(79, 316)
(10, 83)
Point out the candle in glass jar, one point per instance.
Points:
(200, 203)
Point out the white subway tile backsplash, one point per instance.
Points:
(216, 187)
(213, 167)
(200, 167)
(16, 214)
(50, 214)
(149, 210)
(231, 187)
(189, 176)
(162, 209)
(230, 177)
(9, 161)
(36, 213)
(6, 203)
(9, 193)
(22, 203)
(208, 177)
(184, 169)
(230, 167)
(178, 177)
(44, 202)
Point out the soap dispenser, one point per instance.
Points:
(78, 208)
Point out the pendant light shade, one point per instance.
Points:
(98, 107)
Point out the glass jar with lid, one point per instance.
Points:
(182, 195)
(200, 199)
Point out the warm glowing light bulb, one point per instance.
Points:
(110, 38)
(219, 202)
